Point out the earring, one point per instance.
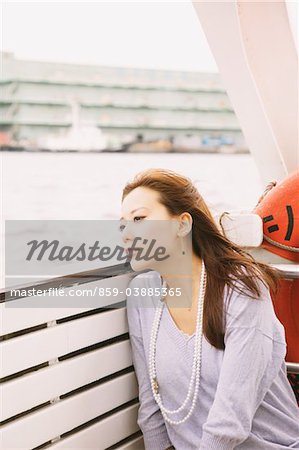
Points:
(183, 251)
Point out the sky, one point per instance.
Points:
(155, 34)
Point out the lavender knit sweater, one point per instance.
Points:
(245, 400)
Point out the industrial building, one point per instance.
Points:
(44, 103)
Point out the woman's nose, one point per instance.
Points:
(126, 233)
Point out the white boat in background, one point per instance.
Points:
(83, 138)
(67, 379)
(80, 137)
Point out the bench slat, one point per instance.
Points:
(135, 444)
(44, 345)
(31, 311)
(24, 393)
(53, 420)
(105, 433)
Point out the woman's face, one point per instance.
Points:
(147, 226)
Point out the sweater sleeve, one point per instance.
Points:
(150, 419)
(254, 352)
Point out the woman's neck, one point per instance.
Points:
(185, 286)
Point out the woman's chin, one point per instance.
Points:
(138, 266)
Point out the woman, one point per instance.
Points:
(210, 371)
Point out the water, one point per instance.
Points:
(89, 186)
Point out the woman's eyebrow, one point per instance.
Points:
(140, 207)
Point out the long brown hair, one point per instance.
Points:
(224, 261)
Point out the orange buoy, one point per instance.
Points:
(279, 210)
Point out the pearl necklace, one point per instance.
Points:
(196, 365)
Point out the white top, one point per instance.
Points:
(245, 400)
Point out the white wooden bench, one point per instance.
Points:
(67, 379)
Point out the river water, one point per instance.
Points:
(52, 186)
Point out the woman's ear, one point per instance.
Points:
(185, 224)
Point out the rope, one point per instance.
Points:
(220, 221)
(283, 246)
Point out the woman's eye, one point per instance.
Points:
(138, 217)
(121, 227)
